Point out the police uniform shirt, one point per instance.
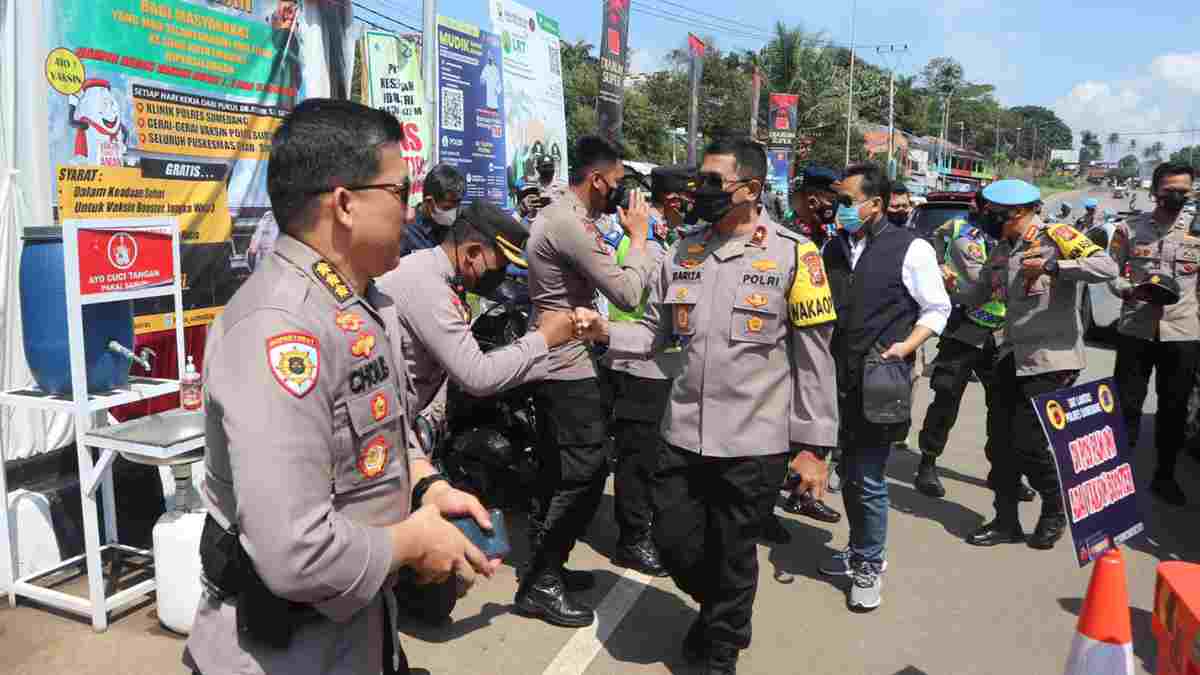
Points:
(1042, 326)
(754, 316)
(967, 255)
(568, 262)
(307, 452)
(664, 363)
(1143, 248)
(436, 325)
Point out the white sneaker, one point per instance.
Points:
(866, 592)
(838, 565)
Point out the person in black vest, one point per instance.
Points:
(890, 299)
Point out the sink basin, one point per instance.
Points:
(172, 437)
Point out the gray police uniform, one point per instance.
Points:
(436, 324)
(1042, 350)
(1164, 339)
(308, 450)
(568, 263)
(753, 316)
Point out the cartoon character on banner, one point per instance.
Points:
(99, 133)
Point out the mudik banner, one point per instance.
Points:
(1095, 465)
(614, 51)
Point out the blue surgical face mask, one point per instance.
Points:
(848, 218)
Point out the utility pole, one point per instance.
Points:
(891, 49)
(850, 99)
(429, 55)
(962, 134)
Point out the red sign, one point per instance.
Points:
(112, 261)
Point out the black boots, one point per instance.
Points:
(640, 555)
(927, 481)
(544, 596)
(999, 531)
(1050, 528)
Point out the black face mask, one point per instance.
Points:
(898, 217)
(709, 205)
(488, 282)
(1173, 200)
(993, 222)
(618, 196)
(546, 176)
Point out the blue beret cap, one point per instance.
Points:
(1090, 203)
(1012, 192)
(818, 177)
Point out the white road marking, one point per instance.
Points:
(575, 656)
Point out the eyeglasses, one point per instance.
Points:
(715, 181)
(398, 190)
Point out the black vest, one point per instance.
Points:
(876, 307)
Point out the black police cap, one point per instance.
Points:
(672, 178)
(1159, 289)
(493, 223)
(816, 178)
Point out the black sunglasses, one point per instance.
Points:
(715, 181)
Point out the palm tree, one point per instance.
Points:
(1133, 146)
(1154, 152)
(1113, 139)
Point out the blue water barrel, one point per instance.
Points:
(44, 321)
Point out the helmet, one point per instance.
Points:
(1090, 203)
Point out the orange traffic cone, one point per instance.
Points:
(1104, 638)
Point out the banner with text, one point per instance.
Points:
(695, 74)
(782, 109)
(471, 114)
(779, 168)
(614, 53)
(167, 107)
(535, 113)
(393, 74)
(1095, 465)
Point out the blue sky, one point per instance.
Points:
(1105, 66)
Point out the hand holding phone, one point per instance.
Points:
(493, 543)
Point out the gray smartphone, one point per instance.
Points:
(494, 543)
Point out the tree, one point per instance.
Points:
(1052, 131)
(1154, 152)
(581, 86)
(1113, 139)
(1089, 147)
(1189, 155)
(1128, 167)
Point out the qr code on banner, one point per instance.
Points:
(554, 59)
(452, 109)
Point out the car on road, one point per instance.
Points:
(940, 208)
(1119, 192)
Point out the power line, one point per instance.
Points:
(383, 16)
(720, 19)
(1157, 133)
(698, 25)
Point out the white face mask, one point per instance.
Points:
(444, 218)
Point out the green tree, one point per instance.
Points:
(1154, 151)
(1114, 139)
(581, 86)
(1053, 133)
(1128, 167)
(1189, 155)
(1090, 147)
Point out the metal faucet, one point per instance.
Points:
(118, 348)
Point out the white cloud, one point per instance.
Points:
(1155, 100)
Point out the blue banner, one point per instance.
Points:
(1095, 465)
(779, 169)
(471, 110)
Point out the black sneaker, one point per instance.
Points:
(1166, 489)
(813, 508)
(927, 481)
(1048, 531)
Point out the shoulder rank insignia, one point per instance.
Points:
(362, 345)
(349, 322)
(764, 265)
(810, 302)
(332, 281)
(759, 238)
(295, 361)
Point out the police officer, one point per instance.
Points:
(812, 203)
(640, 389)
(443, 192)
(1088, 219)
(1148, 248)
(568, 263)
(968, 347)
(548, 187)
(747, 302)
(1039, 272)
(312, 471)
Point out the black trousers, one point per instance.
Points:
(951, 372)
(1174, 365)
(573, 421)
(709, 518)
(638, 404)
(1019, 445)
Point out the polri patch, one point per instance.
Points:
(379, 407)
(374, 457)
(295, 361)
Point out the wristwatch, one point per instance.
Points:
(423, 486)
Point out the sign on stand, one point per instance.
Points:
(115, 258)
(1095, 465)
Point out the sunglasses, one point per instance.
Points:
(715, 181)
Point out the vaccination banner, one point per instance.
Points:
(471, 114)
(533, 87)
(779, 168)
(167, 107)
(614, 52)
(393, 76)
(1095, 465)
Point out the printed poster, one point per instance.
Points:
(614, 52)
(536, 116)
(167, 107)
(1095, 465)
(472, 109)
(394, 83)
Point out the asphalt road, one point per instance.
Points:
(948, 609)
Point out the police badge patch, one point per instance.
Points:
(373, 458)
(362, 345)
(295, 361)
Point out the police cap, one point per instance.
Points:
(1090, 203)
(816, 178)
(546, 163)
(493, 223)
(672, 178)
(1159, 289)
(1012, 192)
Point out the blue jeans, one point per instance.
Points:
(865, 494)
